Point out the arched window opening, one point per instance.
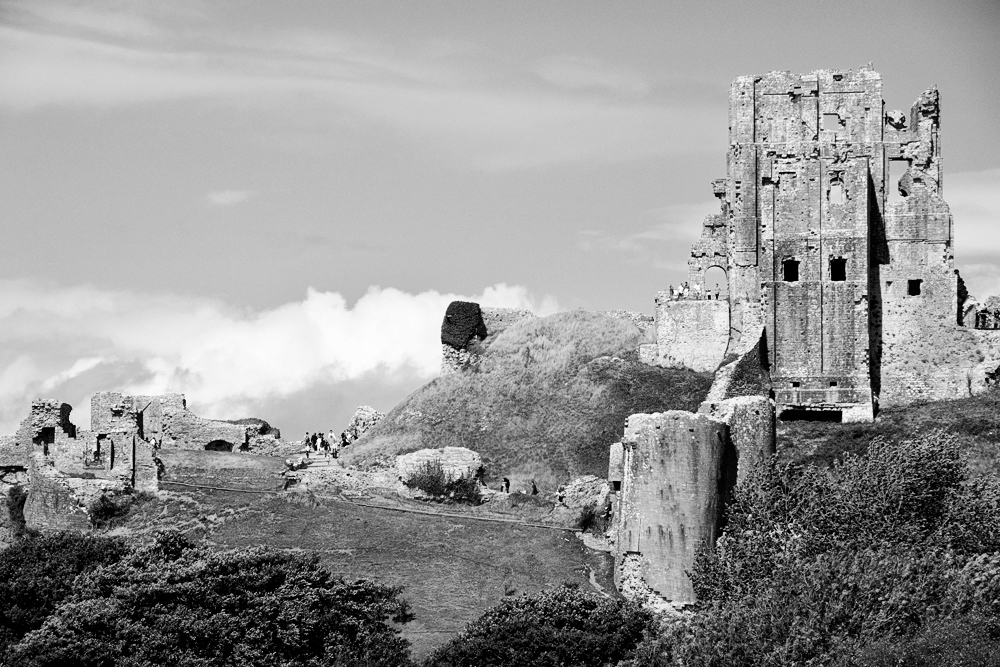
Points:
(219, 446)
(716, 283)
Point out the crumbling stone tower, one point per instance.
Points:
(857, 292)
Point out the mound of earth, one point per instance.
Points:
(547, 399)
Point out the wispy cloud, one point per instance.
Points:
(228, 197)
(68, 342)
(665, 242)
(453, 97)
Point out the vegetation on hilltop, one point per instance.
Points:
(973, 422)
(548, 398)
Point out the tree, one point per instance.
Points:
(560, 627)
(174, 603)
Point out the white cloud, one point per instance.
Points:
(228, 197)
(67, 342)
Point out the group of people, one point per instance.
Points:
(328, 444)
(685, 291)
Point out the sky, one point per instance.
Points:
(268, 205)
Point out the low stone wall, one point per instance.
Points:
(498, 319)
(642, 321)
(222, 469)
(689, 334)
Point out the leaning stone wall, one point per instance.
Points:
(674, 468)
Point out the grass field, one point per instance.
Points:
(451, 569)
(550, 396)
(975, 421)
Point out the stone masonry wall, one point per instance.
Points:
(223, 470)
(690, 333)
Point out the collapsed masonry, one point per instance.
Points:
(134, 444)
(854, 286)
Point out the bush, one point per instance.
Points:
(16, 497)
(172, 603)
(432, 479)
(108, 509)
(593, 518)
(560, 627)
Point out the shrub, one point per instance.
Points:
(560, 627)
(432, 479)
(16, 497)
(108, 509)
(593, 518)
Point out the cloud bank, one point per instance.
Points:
(68, 342)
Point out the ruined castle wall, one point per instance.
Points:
(222, 469)
(675, 465)
(498, 319)
(51, 504)
(689, 334)
(12, 453)
(752, 429)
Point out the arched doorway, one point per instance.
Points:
(716, 283)
(219, 446)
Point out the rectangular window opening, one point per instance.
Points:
(913, 287)
(796, 384)
(833, 383)
(838, 269)
(831, 122)
(790, 270)
(836, 194)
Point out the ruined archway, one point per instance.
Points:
(219, 446)
(716, 283)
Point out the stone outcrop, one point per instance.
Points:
(364, 418)
(456, 462)
(854, 285)
(584, 491)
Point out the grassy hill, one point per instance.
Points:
(975, 421)
(549, 397)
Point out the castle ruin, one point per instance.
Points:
(840, 298)
(855, 287)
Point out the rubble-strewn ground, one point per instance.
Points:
(975, 421)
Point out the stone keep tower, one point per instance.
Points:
(856, 292)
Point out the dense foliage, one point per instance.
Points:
(37, 574)
(857, 564)
(172, 603)
(560, 627)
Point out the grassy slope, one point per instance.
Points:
(451, 569)
(548, 399)
(975, 420)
